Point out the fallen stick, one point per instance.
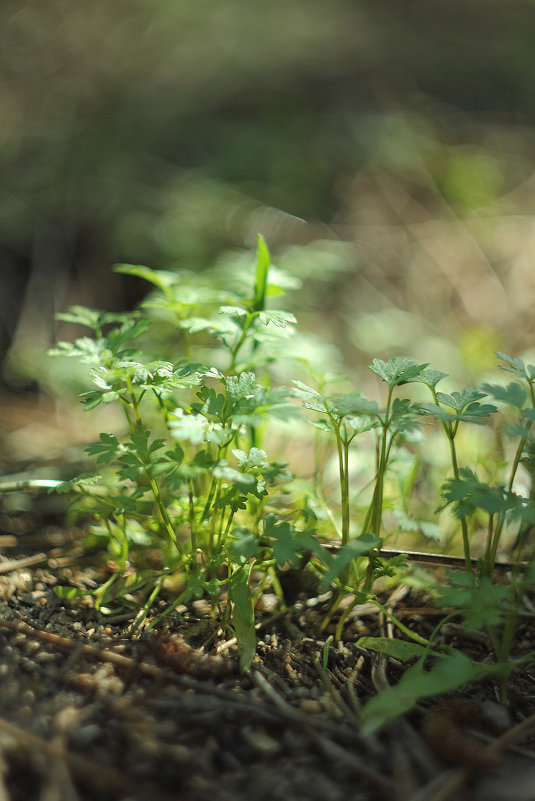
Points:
(27, 561)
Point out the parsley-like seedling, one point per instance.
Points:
(187, 502)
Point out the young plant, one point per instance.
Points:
(190, 481)
(191, 489)
(451, 410)
(347, 416)
(479, 602)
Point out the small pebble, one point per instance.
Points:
(27, 697)
(310, 706)
(262, 743)
(86, 734)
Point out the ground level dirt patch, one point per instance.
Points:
(88, 712)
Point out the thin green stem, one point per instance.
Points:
(501, 520)
(488, 561)
(378, 493)
(224, 534)
(155, 489)
(450, 433)
(236, 349)
(344, 484)
(401, 626)
(193, 528)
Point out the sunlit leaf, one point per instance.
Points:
(243, 616)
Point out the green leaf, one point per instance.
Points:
(87, 350)
(280, 319)
(255, 459)
(465, 405)
(460, 400)
(447, 674)
(65, 592)
(397, 371)
(352, 404)
(81, 315)
(163, 279)
(399, 649)
(262, 267)
(430, 530)
(243, 616)
(285, 548)
(81, 481)
(513, 365)
(106, 450)
(303, 391)
(467, 494)
(244, 544)
(242, 386)
(243, 481)
(355, 548)
(482, 602)
(513, 394)
(233, 311)
(405, 415)
(189, 427)
(430, 377)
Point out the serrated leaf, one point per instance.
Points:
(355, 548)
(244, 544)
(517, 429)
(465, 406)
(303, 391)
(242, 386)
(81, 315)
(397, 371)
(217, 328)
(513, 394)
(467, 494)
(430, 377)
(243, 481)
(460, 400)
(189, 427)
(352, 404)
(280, 319)
(83, 480)
(405, 415)
(256, 458)
(233, 311)
(406, 523)
(512, 364)
(285, 548)
(87, 350)
(449, 673)
(105, 450)
(481, 602)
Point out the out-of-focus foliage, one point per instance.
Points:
(167, 133)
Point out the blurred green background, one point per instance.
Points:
(385, 150)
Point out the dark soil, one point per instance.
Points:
(89, 712)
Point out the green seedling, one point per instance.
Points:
(194, 490)
(187, 503)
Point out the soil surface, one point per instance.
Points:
(88, 711)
